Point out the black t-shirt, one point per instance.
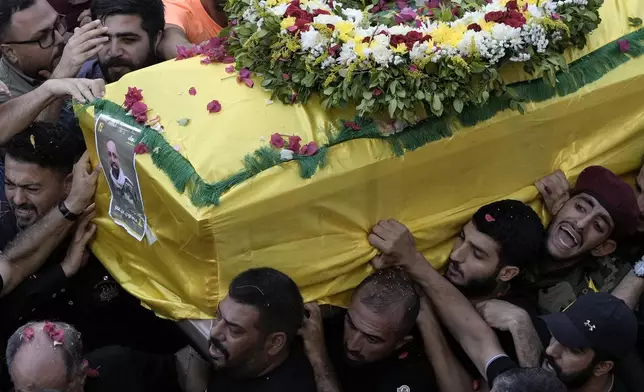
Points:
(497, 367)
(408, 366)
(121, 369)
(295, 374)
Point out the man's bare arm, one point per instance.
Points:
(455, 311)
(630, 289)
(312, 334)
(18, 113)
(27, 253)
(173, 36)
(450, 375)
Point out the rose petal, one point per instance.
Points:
(277, 140)
(294, 143)
(230, 69)
(244, 73)
(624, 45)
(214, 106)
(249, 82)
(192, 91)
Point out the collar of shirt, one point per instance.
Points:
(15, 79)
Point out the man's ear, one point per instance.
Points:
(404, 341)
(508, 273)
(68, 183)
(9, 53)
(603, 367)
(275, 343)
(157, 41)
(559, 203)
(604, 249)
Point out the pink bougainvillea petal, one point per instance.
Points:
(214, 106)
(249, 82)
(624, 45)
(192, 91)
(28, 333)
(48, 327)
(309, 149)
(294, 143)
(230, 69)
(140, 148)
(244, 73)
(277, 140)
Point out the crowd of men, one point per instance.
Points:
(520, 307)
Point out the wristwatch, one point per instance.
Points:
(638, 269)
(66, 212)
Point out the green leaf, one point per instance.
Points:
(262, 33)
(635, 22)
(367, 95)
(393, 104)
(458, 105)
(590, 15)
(328, 90)
(183, 122)
(420, 95)
(402, 93)
(437, 105)
(309, 80)
(485, 95)
(392, 86)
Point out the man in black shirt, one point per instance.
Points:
(253, 339)
(46, 355)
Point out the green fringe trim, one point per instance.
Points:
(582, 72)
(184, 177)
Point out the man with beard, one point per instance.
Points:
(587, 225)
(134, 31)
(191, 22)
(489, 259)
(123, 186)
(253, 339)
(373, 346)
(33, 49)
(587, 340)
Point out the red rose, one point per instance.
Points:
(366, 39)
(294, 143)
(296, 12)
(495, 16)
(514, 19)
(475, 27)
(334, 49)
(133, 95)
(512, 5)
(413, 36)
(320, 12)
(309, 149)
(397, 39)
(140, 148)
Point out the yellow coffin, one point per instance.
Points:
(315, 230)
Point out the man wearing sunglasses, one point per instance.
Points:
(34, 49)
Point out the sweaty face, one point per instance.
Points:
(128, 48)
(38, 22)
(474, 262)
(639, 192)
(573, 367)
(235, 342)
(369, 336)
(580, 226)
(31, 190)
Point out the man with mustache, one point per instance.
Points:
(121, 184)
(134, 31)
(588, 223)
(34, 49)
(253, 339)
(588, 339)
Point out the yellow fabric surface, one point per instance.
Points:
(315, 230)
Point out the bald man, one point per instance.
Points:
(122, 186)
(46, 355)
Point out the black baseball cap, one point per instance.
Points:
(598, 321)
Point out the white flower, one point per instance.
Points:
(535, 11)
(502, 32)
(353, 15)
(418, 51)
(398, 60)
(380, 51)
(347, 53)
(327, 19)
(279, 10)
(286, 155)
(368, 32)
(309, 38)
(400, 29)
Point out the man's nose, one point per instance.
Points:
(19, 197)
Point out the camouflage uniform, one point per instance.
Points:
(559, 290)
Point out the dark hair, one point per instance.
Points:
(276, 297)
(151, 12)
(528, 380)
(47, 145)
(7, 9)
(72, 347)
(391, 290)
(516, 228)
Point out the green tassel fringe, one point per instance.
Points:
(582, 72)
(184, 177)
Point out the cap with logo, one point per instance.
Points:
(598, 321)
(615, 195)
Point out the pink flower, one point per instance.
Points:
(489, 218)
(133, 95)
(277, 140)
(185, 52)
(556, 16)
(140, 112)
(352, 125)
(244, 76)
(48, 327)
(413, 68)
(205, 61)
(309, 149)
(294, 143)
(192, 91)
(141, 148)
(230, 69)
(214, 106)
(28, 333)
(228, 60)
(624, 45)
(57, 335)
(286, 76)
(334, 49)
(377, 92)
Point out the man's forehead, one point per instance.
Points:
(124, 24)
(16, 170)
(480, 239)
(373, 323)
(27, 22)
(238, 313)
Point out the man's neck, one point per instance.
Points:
(597, 384)
(501, 289)
(551, 265)
(217, 15)
(264, 370)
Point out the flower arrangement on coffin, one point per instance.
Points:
(404, 60)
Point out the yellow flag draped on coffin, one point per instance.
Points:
(315, 230)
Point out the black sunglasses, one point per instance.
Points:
(48, 39)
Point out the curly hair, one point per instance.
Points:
(47, 145)
(516, 228)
